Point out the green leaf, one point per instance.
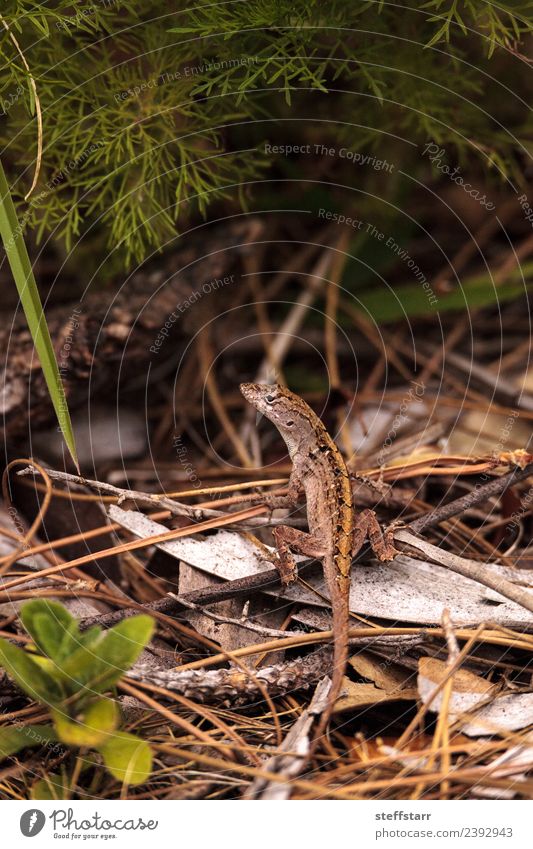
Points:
(89, 637)
(18, 737)
(51, 788)
(412, 300)
(51, 627)
(100, 665)
(183, 30)
(124, 642)
(92, 728)
(20, 265)
(49, 634)
(127, 758)
(30, 677)
(44, 605)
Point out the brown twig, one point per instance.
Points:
(207, 361)
(172, 604)
(481, 493)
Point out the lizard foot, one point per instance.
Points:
(381, 542)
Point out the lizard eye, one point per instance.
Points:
(270, 399)
(289, 423)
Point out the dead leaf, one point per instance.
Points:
(514, 763)
(385, 674)
(433, 671)
(355, 696)
(471, 694)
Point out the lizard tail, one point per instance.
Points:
(341, 620)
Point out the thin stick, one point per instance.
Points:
(291, 325)
(207, 360)
(24, 539)
(481, 493)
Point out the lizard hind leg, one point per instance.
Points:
(366, 526)
(291, 539)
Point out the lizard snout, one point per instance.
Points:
(250, 391)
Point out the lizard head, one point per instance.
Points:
(288, 412)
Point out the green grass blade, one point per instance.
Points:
(19, 262)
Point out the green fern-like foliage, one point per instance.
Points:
(150, 116)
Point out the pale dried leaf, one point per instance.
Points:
(513, 763)
(494, 713)
(409, 590)
(478, 432)
(510, 712)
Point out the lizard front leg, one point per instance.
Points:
(288, 538)
(366, 526)
(294, 488)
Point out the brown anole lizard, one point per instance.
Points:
(336, 533)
